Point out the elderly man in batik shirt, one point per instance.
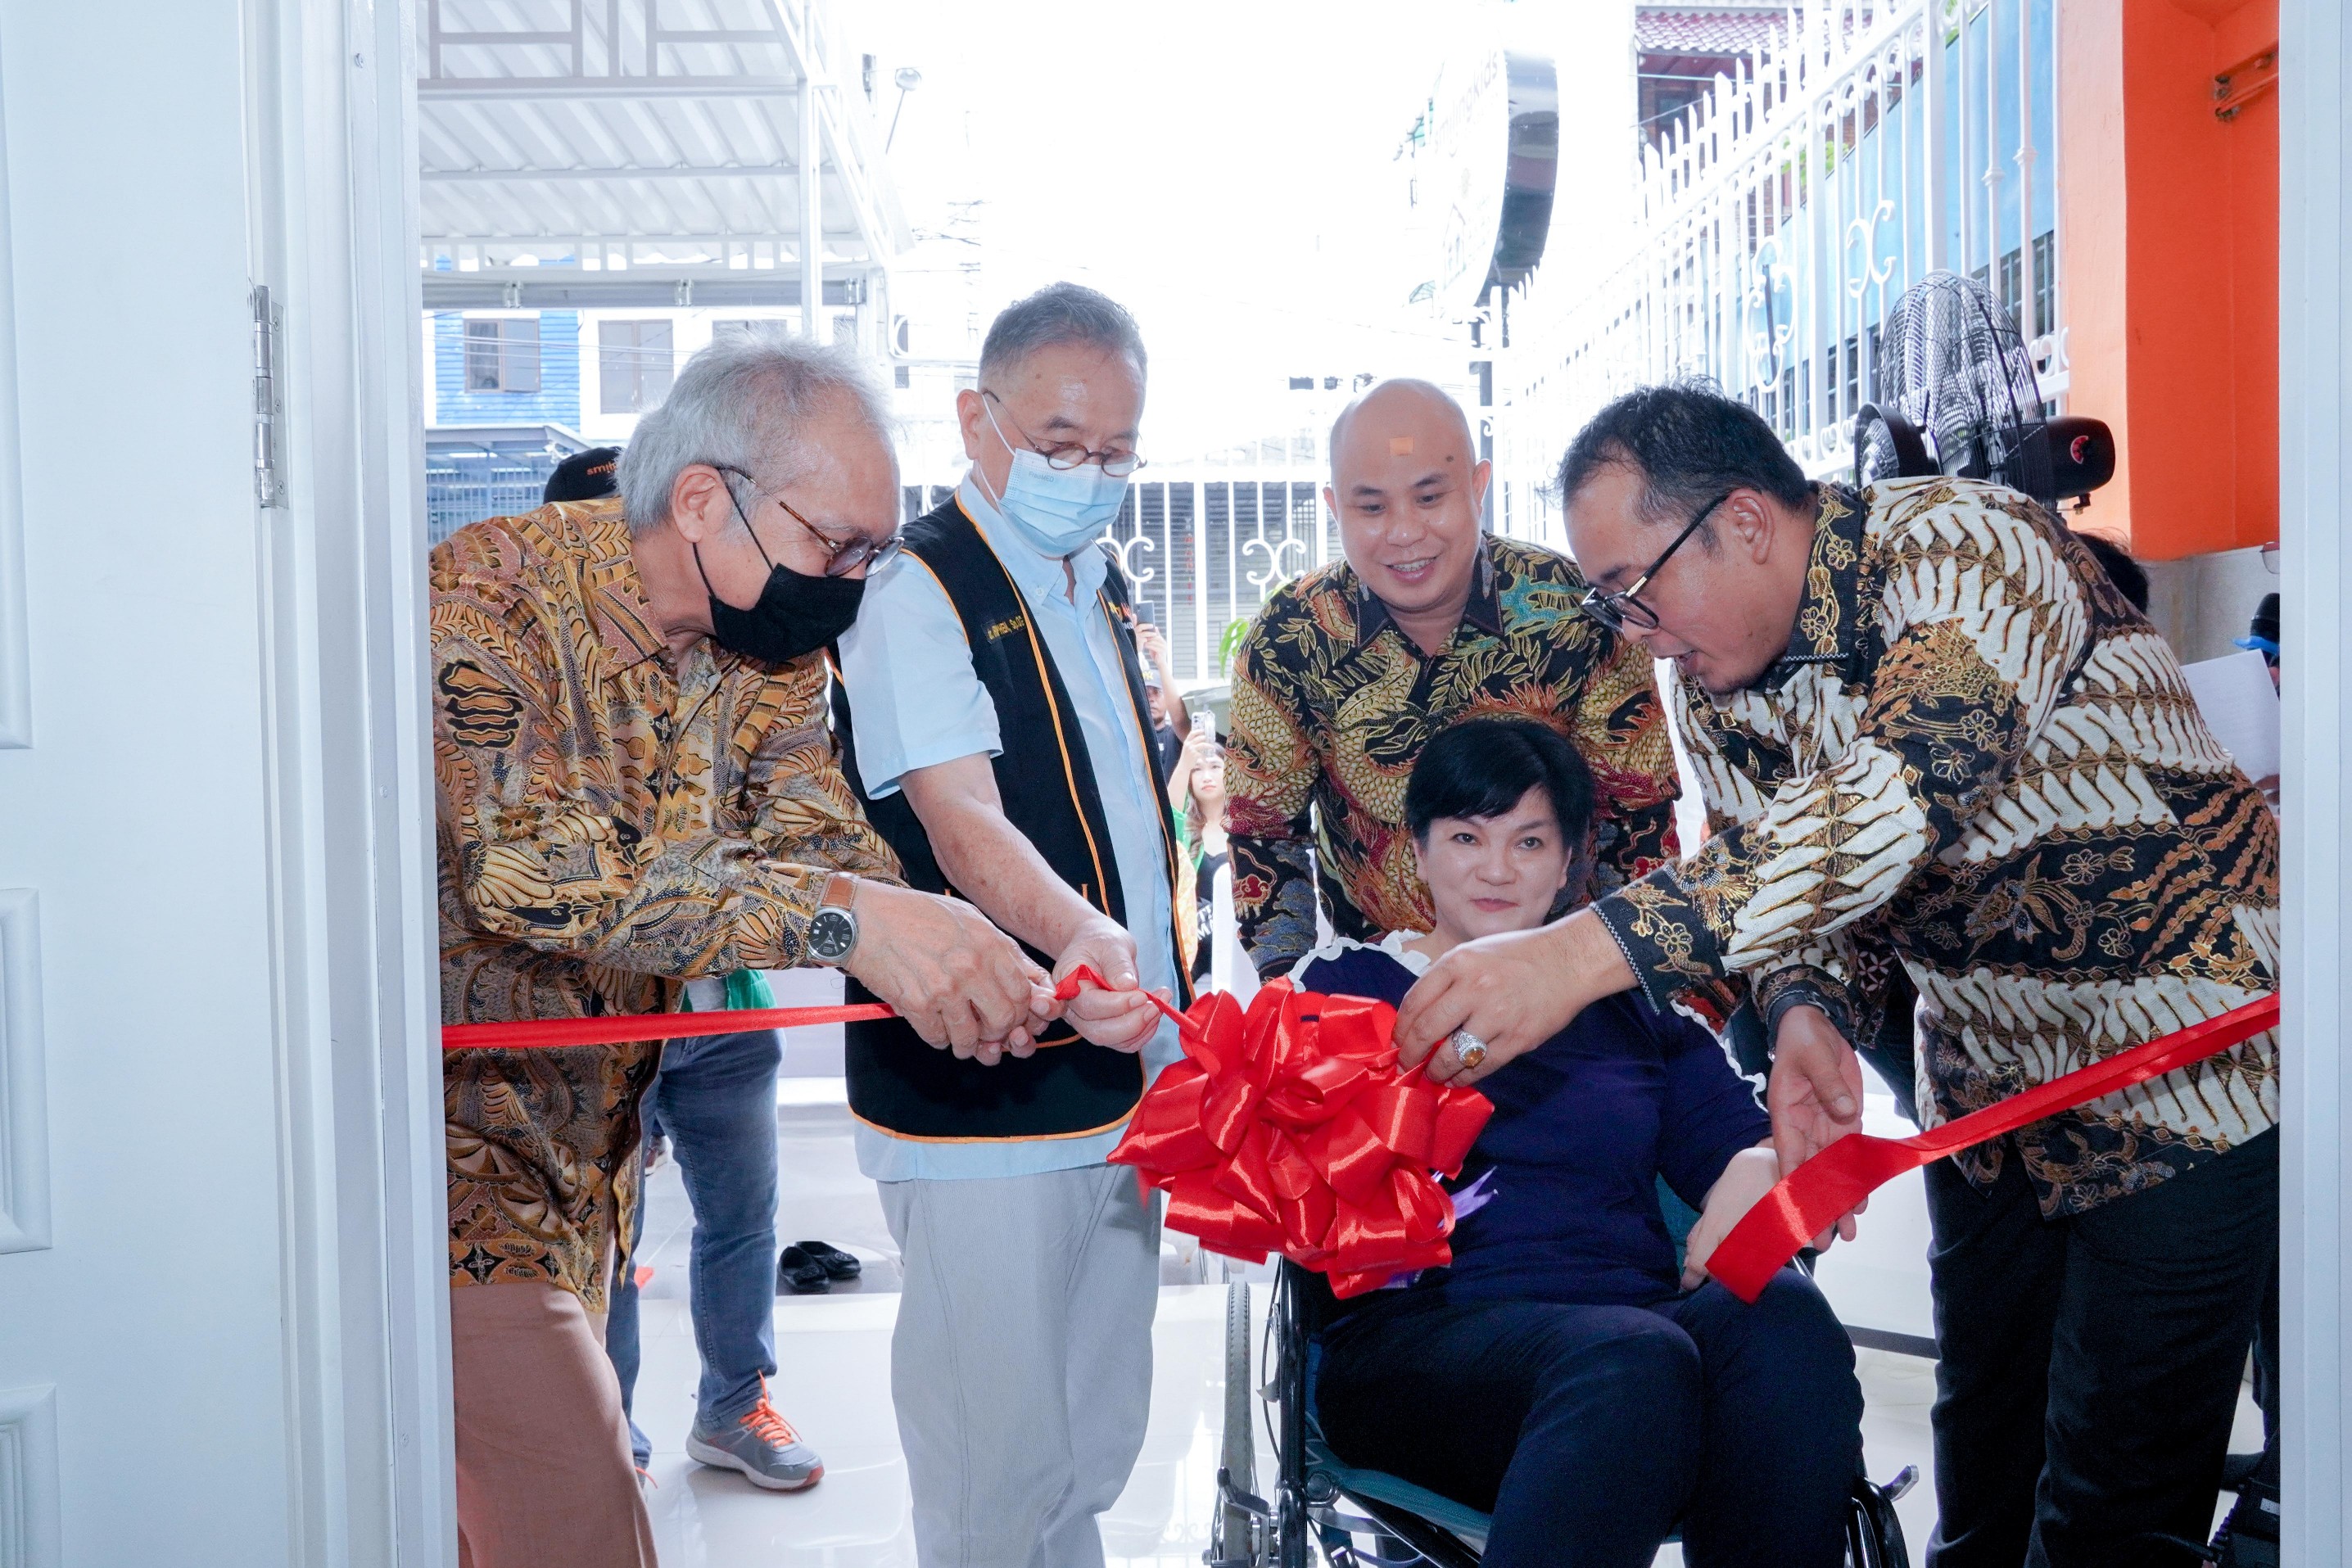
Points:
(1347, 671)
(1926, 721)
(637, 787)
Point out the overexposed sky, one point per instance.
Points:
(1225, 169)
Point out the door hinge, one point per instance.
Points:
(269, 490)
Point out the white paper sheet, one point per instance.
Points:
(2242, 708)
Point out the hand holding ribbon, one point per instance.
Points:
(1833, 1182)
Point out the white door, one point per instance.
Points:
(192, 1168)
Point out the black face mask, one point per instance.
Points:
(796, 613)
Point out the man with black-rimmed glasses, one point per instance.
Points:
(1925, 719)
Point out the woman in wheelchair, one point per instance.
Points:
(1564, 1374)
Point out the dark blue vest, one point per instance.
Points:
(1047, 780)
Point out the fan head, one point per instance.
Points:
(1955, 367)
(1887, 446)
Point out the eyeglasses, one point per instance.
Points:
(1620, 609)
(842, 556)
(1068, 454)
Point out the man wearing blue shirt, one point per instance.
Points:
(993, 706)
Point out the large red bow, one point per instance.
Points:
(1289, 1129)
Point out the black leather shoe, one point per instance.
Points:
(801, 1274)
(838, 1265)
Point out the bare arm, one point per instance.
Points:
(1180, 778)
(1153, 642)
(985, 858)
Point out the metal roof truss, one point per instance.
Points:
(608, 136)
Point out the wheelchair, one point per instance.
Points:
(1319, 1504)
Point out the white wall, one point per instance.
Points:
(2202, 603)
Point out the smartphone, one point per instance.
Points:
(1143, 613)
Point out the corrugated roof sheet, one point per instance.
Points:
(1705, 29)
(689, 137)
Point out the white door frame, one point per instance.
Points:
(351, 813)
(2315, 432)
(364, 1226)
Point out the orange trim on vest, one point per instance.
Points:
(1070, 768)
(1024, 1138)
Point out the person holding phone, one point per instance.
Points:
(1171, 725)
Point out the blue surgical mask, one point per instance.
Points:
(1060, 511)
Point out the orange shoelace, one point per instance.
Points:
(770, 1428)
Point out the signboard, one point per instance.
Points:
(1484, 160)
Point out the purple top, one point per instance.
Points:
(1558, 1200)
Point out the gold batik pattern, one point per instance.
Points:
(1332, 705)
(1978, 756)
(613, 820)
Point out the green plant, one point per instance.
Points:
(1229, 644)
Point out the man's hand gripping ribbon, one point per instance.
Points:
(1813, 1196)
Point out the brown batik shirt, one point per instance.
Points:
(1978, 756)
(1333, 704)
(613, 820)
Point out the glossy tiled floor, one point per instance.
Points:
(833, 1382)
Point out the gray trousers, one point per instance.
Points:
(1022, 1364)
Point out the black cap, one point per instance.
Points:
(584, 475)
(2265, 624)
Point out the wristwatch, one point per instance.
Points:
(833, 929)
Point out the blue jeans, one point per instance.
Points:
(1590, 1432)
(716, 1098)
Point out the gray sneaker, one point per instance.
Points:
(763, 1445)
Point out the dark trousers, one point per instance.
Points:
(716, 1098)
(2090, 1365)
(1589, 1432)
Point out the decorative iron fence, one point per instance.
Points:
(1203, 554)
(466, 489)
(1868, 144)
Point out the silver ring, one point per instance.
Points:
(1469, 1049)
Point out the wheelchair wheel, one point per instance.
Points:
(1874, 1536)
(1236, 1531)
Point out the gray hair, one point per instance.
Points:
(1059, 313)
(742, 404)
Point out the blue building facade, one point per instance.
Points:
(490, 453)
(557, 401)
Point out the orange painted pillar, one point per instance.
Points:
(2168, 242)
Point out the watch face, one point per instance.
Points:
(831, 933)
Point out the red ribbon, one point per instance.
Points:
(1817, 1194)
(1289, 1129)
(630, 1029)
